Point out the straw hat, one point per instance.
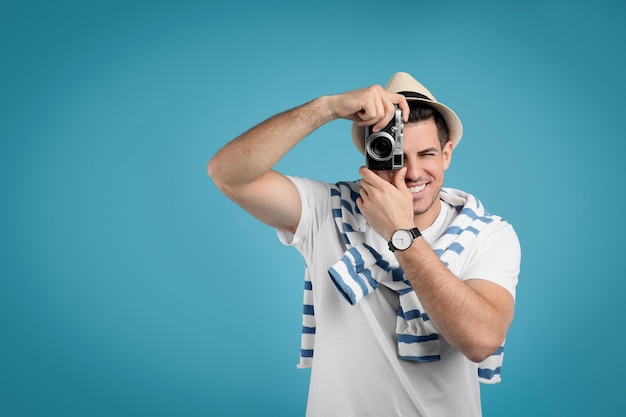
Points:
(405, 84)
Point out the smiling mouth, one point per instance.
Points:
(417, 188)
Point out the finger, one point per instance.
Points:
(368, 177)
(366, 114)
(400, 101)
(374, 107)
(399, 178)
(388, 110)
(381, 110)
(372, 116)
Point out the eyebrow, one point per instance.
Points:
(428, 150)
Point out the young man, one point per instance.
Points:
(409, 287)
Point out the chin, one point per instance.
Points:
(420, 209)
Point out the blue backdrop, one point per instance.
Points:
(129, 284)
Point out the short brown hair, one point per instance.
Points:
(421, 111)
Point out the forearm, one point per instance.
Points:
(469, 321)
(255, 152)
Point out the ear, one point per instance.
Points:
(447, 154)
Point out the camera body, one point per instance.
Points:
(384, 150)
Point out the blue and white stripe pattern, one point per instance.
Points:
(362, 269)
(308, 324)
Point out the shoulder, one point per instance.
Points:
(490, 228)
(347, 190)
(310, 185)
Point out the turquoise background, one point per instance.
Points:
(131, 287)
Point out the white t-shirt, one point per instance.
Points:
(356, 371)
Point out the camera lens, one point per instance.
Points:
(380, 146)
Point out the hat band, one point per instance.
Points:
(413, 94)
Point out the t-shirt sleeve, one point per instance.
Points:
(497, 257)
(315, 201)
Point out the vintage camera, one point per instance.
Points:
(384, 150)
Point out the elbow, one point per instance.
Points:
(482, 348)
(215, 173)
(212, 170)
(486, 338)
(222, 179)
(479, 355)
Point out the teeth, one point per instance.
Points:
(417, 189)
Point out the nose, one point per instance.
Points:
(413, 170)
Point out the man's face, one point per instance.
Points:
(426, 163)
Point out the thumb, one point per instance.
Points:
(398, 178)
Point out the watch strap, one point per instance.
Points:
(415, 232)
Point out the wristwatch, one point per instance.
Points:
(403, 238)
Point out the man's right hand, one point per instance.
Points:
(371, 106)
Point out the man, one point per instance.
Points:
(409, 287)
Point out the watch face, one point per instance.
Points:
(402, 239)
